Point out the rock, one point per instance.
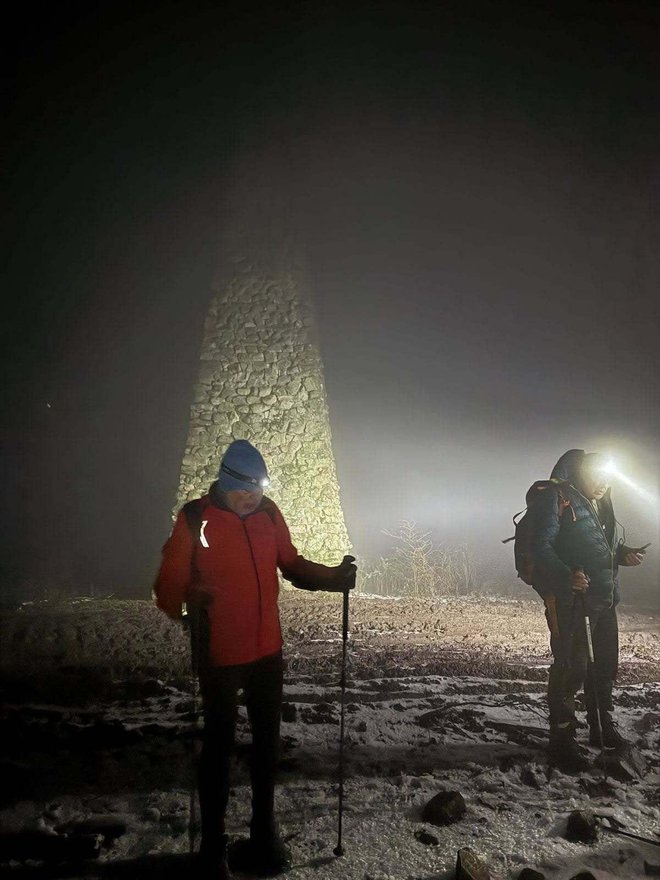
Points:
(651, 870)
(530, 874)
(648, 722)
(529, 777)
(598, 788)
(54, 813)
(582, 827)
(426, 837)
(444, 808)
(179, 822)
(619, 767)
(470, 867)
(289, 712)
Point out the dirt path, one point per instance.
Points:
(111, 639)
(99, 725)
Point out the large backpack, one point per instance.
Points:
(522, 547)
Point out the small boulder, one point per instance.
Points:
(619, 767)
(582, 827)
(470, 867)
(444, 808)
(530, 874)
(426, 837)
(178, 822)
(529, 777)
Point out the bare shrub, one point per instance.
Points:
(417, 567)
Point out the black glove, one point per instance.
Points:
(343, 577)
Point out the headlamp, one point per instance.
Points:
(260, 482)
(609, 469)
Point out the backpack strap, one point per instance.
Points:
(194, 513)
(564, 502)
(268, 506)
(197, 617)
(515, 525)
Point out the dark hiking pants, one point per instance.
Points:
(569, 671)
(261, 683)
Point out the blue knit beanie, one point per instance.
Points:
(242, 467)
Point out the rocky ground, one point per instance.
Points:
(99, 732)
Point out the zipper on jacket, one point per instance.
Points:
(601, 526)
(256, 572)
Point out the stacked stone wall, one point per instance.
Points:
(261, 379)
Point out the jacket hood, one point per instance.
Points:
(568, 469)
(568, 466)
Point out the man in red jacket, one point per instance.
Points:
(221, 560)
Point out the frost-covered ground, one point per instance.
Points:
(99, 724)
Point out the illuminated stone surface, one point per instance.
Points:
(261, 379)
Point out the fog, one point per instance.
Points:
(476, 197)
(481, 314)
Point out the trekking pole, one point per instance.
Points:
(193, 622)
(592, 677)
(617, 829)
(339, 849)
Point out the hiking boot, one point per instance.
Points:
(564, 753)
(612, 739)
(274, 856)
(212, 868)
(212, 862)
(266, 857)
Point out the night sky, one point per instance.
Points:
(475, 186)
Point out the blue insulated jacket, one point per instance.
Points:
(577, 535)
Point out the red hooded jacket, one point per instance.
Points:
(235, 560)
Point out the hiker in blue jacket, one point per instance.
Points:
(576, 551)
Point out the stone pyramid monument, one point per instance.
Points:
(261, 379)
